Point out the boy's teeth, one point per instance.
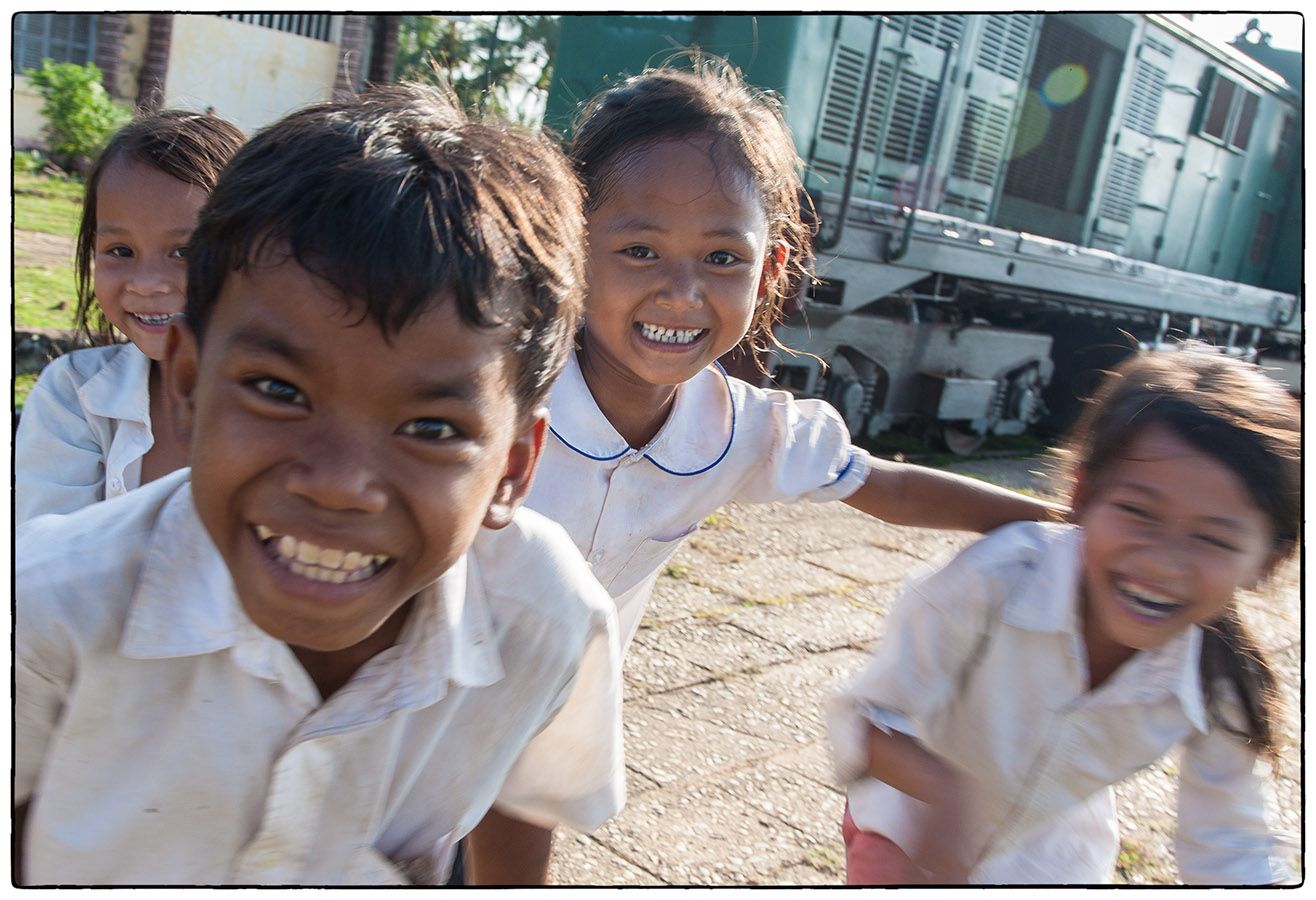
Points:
(669, 335)
(320, 563)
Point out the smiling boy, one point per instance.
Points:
(315, 657)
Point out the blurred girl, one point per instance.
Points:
(1045, 663)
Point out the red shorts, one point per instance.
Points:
(871, 858)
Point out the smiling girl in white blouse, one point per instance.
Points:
(85, 433)
(1045, 663)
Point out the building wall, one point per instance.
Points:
(27, 102)
(249, 74)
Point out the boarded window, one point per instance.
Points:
(58, 37)
(316, 27)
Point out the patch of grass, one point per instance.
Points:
(713, 520)
(824, 859)
(1130, 859)
(677, 570)
(44, 296)
(47, 204)
(22, 387)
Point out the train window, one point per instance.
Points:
(1230, 112)
(1288, 139)
(1247, 115)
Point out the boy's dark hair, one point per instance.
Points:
(1230, 410)
(746, 128)
(396, 199)
(192, 147)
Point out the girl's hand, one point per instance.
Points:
(941, 847)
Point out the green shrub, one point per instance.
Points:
(79, 114)
(26, 162)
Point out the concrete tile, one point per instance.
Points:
(866, 565)
(669, 748)
(769, 579)
(814, 624)
(650, 670)
(700, 835)
(715, 646)
(579, 859)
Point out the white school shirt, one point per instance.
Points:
(983, 662)
(628, 510)
(161, 737)
(83, 432)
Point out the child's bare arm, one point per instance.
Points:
(507, 851)
(909, 767)
(905, 494)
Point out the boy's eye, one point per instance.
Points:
(179, 252)
(639, 251)
(429, 429)
(722, 258)
(279, 391)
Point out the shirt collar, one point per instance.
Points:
(696, 436)
(185, 605)
(121, 389)
(1173, 668)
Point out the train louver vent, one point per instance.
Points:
(1005, 44)
(1152, 43)
(911, 119)
(982, 141)
(843, 91)
(967, 207)
(1144, 106)
(1122, 186)
(939, 31)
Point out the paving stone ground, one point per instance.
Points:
(765, 612)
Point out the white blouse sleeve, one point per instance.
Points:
(44, 666)
(804, 449)
(933, 635)
(59, 458)
(1223, 835)
(572, 771)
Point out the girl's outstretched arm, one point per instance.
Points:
(905, 494)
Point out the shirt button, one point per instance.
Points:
(116, 484)
(596, 556)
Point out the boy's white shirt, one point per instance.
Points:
(163, 738)
(85, 427)
(983, 662)
(628, 510)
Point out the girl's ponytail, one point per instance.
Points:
(1232, 659)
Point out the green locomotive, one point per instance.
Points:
(1008, 200)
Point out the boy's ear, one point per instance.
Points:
(179, 371)
(773, 262)
(522, 459)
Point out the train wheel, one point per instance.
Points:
(961, 441)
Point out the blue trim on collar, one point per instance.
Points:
(570, 446)
(727, 381)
